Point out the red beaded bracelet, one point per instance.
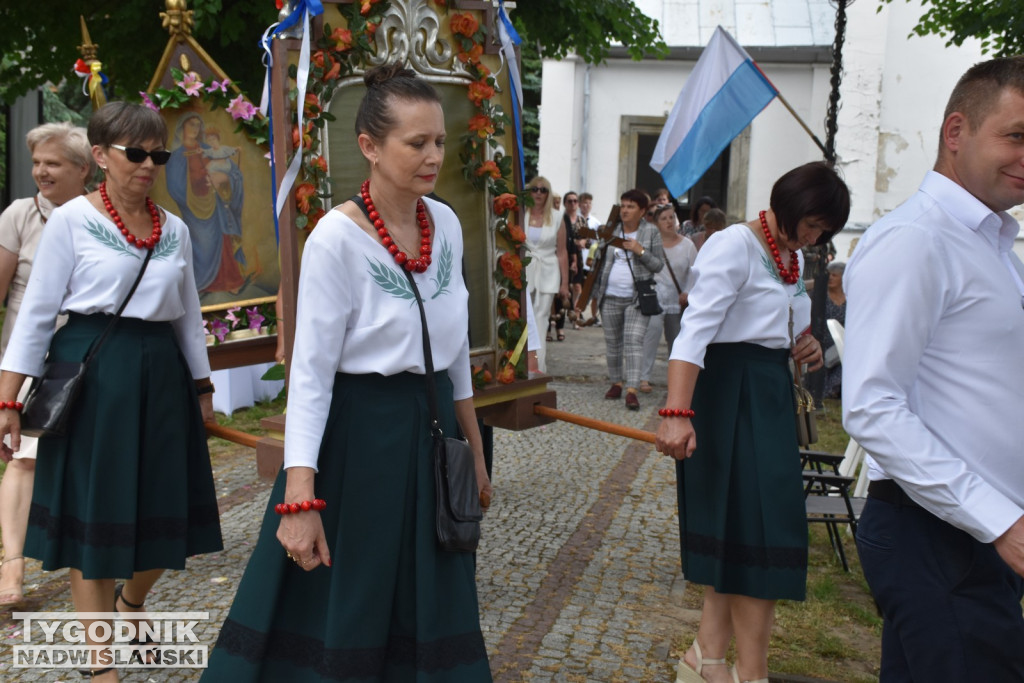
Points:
(291, 508)
(676, 412)
(11, 405)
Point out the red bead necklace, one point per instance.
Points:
(788, 276)
(154, 213)
(418, 265)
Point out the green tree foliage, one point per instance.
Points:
(999, 24)
(588, 27)
(40, 40)
(532, 66)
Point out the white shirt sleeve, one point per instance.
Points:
(319, 341)
(189, 327)
(897, 289)
(719, 272)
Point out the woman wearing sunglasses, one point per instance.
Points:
(547, 274)
(128, 491)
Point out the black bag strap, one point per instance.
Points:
(428, 358)
(671, 272)
(94, 349)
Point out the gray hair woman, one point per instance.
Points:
(61, 166)
(128, 491)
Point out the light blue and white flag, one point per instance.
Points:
(720, 98)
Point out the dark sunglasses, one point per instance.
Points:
(571, 201)
(137, 156)
(542, 190)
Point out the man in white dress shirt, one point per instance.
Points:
(933, 379)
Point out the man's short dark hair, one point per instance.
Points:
(813, 190)
(977, 91)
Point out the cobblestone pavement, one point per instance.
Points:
(578, 570)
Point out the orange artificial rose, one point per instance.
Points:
(509, 308)
(313, 219)
(307, 139)
(319, 162)
(511, 268)
(489, 168)
(482, 68)
(464, 25)
(371, 29)
(473, 55)
(302, 194)
(505, 202)
(312, 106)
(482, 125)
(516, 234)
(507, 374)
(480, 91)
(342, 38)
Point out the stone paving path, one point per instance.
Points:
(578, 570)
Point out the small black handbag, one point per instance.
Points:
(646, 292)
(52, 395)
(458, 500)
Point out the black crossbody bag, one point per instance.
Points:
(646, 292)
(52, 395)
(458, 499)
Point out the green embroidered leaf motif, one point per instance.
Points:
(770, 267)
(444, 270)
(390, 281)
(801, 288)
(109, 238)
(166, 247)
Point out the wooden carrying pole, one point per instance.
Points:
(233, 435)
(591, 423)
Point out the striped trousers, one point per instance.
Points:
(624, 330)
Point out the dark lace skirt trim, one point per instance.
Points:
(752, 556)
(345, 663)
(112, 534)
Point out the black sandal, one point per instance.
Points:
(92, 673)
(140, 643)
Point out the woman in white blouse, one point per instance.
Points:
(672, 284)
(128, 492)
(61, 165)
(360, 589)
(547, 273)
(729, 421)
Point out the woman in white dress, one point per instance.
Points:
(61, 166)
(729, 422)
(547, 273)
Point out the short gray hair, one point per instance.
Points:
(836, 267)
(72, 139)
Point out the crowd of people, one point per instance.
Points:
(357, 588)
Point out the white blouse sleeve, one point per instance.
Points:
(189, 327)
(324, 306)
(47, 288)
(721, 269)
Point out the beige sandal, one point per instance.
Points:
(686, 674)
(14, 595)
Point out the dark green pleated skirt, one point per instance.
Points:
(393, 607)
(742, 522)
(130, 487)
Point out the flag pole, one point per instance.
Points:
(801, 122)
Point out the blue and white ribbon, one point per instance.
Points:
(304, 9)
(509, 40)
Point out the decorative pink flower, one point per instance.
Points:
(191, 84)
(206, 326)
(219, 329)
(222, 86)
(255, 319)
(148, 102)
(231, 317)
(240, 108)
